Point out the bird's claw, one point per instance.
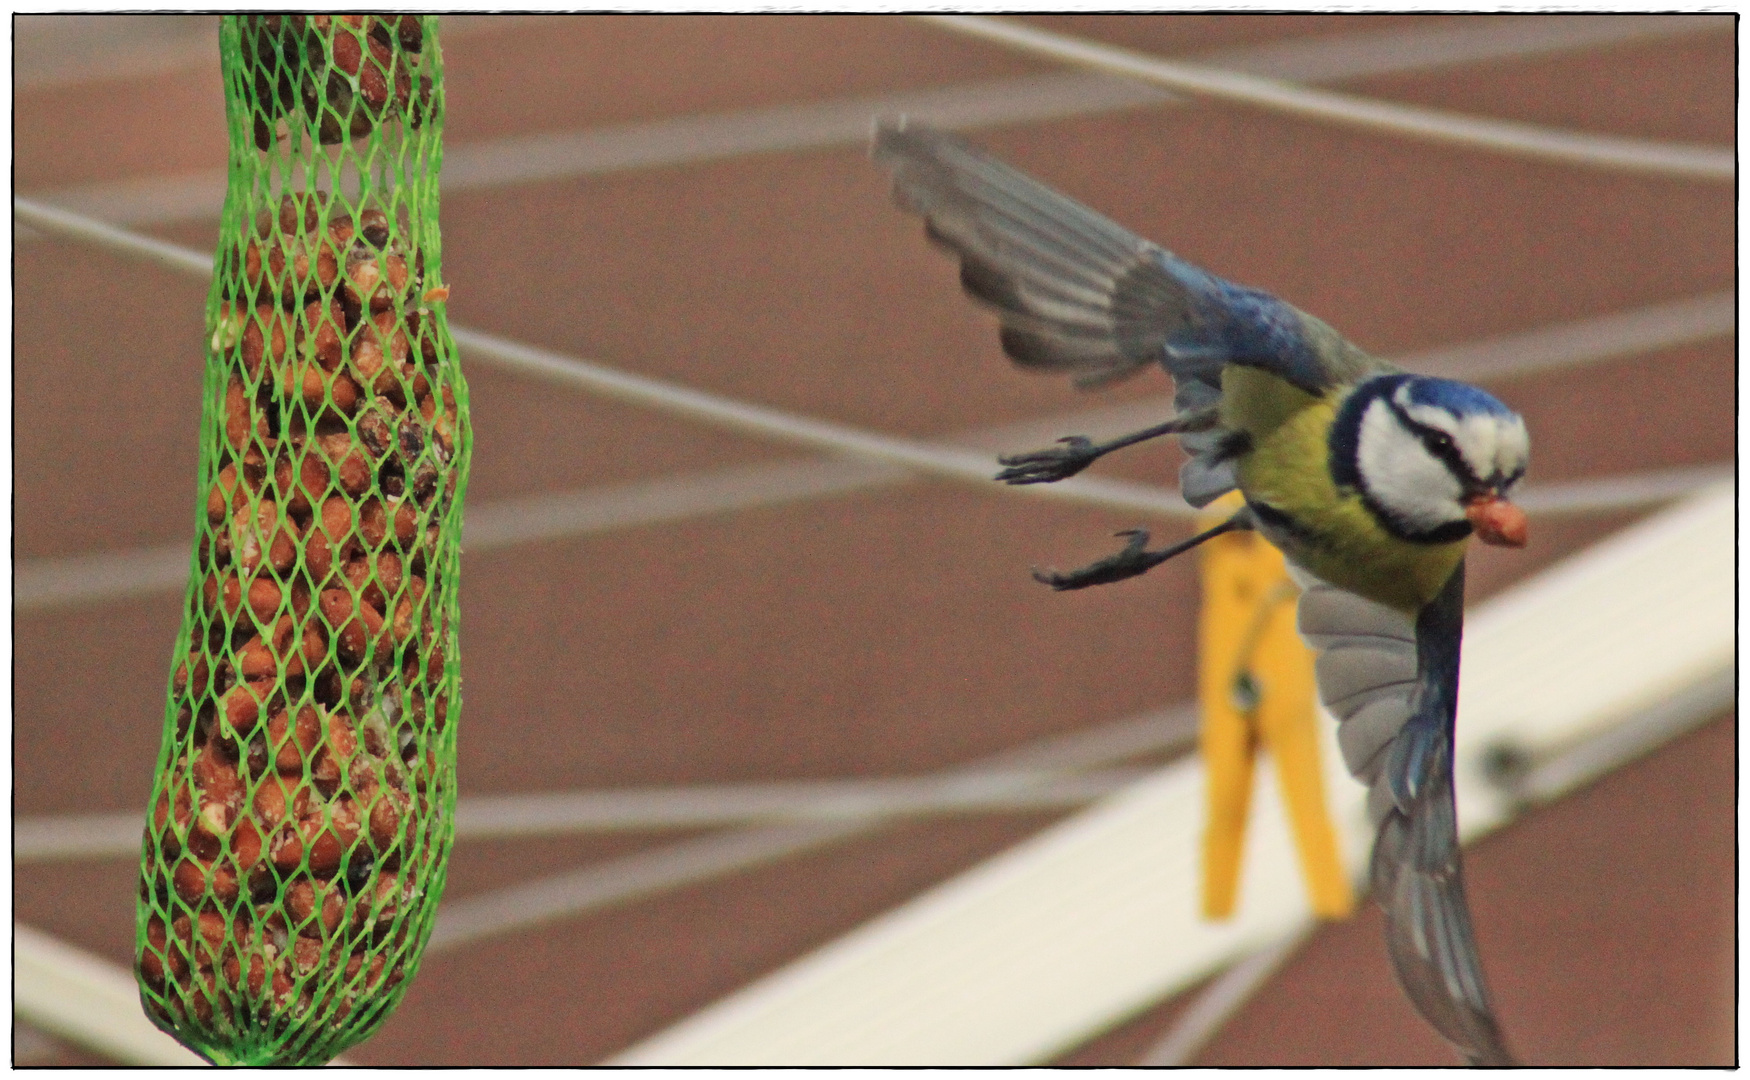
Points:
(1130, 562)
(1049, 465)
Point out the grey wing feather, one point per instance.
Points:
(1079, 294)
(1076, 292)
(1208, 472)
(1419, 882)
(1370, 666)
(1207, 475)
(1366, 672)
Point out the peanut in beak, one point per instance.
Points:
(1497, 521)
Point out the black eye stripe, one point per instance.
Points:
(1438, 443)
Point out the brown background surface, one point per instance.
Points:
(893, 631)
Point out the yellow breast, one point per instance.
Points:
(1335, 536)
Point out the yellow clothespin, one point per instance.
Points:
(1255, 685)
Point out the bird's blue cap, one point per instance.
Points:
(1457, 398)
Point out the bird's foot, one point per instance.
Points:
(1135, 558)
(1130, 562)
(1076, 453)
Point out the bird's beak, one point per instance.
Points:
(1497, 521)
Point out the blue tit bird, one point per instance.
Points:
(1371, 480)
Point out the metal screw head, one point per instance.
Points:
(1246, 692)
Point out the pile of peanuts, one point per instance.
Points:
(344, 70)
(295, 831)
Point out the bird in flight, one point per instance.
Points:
(1371, 480)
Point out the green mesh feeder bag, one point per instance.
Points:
(301, 818)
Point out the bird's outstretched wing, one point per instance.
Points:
(1078, 294)
(1392, 682)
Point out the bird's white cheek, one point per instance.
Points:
(1492, 446)
(1514, 452)
(1403, 477)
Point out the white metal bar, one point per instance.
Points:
(493, 817)
(1691, 162)
(61, 51)
(54, 837)
(1532, 782)
(65, 580)
(1398, 49)
(1628, 491)
(948, 462)
(75, 226)
(58, 52)
(1664, 325)
(103, 576)
(1217, 1003)
(1015, 960)
(1644, 616)
(68, 580)
(87, 1001)
(90, 1002)
(1030, 953)
(1658, 327)
(633, 877)
(688, 140)
(1568, 768)
(87, 836)
(675, 497)
(1653, 328)
(464, 920)
(484, 817)
(672, 141)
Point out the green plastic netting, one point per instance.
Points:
(301, 818)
